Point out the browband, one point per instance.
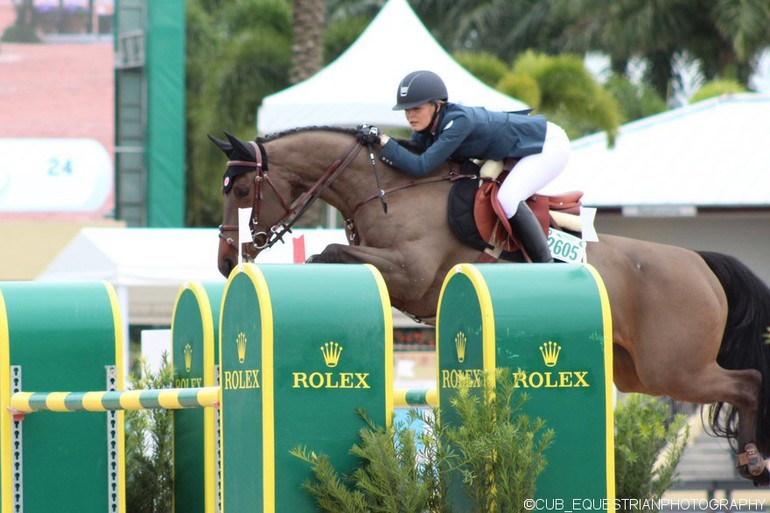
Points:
(236, 168)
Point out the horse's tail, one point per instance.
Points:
(744, 344)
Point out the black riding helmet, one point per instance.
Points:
(420, 87)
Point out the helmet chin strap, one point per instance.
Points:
(429, 129)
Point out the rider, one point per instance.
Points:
(444, 129)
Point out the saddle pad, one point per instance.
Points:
(462, 198)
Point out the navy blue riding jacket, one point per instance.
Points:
(469, 132)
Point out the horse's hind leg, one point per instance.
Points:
(751, 463)
(741, 389)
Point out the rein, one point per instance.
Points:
(381, 193)
(292, 214)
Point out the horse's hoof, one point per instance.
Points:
(751, 464)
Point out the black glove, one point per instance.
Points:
(366, 134)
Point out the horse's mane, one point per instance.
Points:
(277, 135)
(407, 143)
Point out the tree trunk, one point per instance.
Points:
(307, 51)
(307, 46)
(25, 13)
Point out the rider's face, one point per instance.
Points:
(420, 116)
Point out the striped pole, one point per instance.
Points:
(406, 397)
(168, 398)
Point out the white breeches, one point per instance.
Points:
(534, 172)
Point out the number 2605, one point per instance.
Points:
(563, 248)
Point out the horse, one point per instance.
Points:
(686, 324)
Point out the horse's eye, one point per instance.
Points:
(241, 191)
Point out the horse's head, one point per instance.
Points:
(247, 185)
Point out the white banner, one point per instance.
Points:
(54, 175)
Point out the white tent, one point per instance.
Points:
(360, 85)
(147, 266)
(713, 153)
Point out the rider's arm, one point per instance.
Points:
(450, 137)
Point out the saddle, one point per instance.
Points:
(478, 220)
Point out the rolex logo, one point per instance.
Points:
(331, 352)
(460, 343)
(241, 344)
(187, 357)
(550, 351)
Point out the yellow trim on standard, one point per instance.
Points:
(454, 270)
(232, 275)
(268, 393)
(608, 391)
(120, 385)
(6, 424)
(487, 315)
(209, 437)
(487, 320)
(179, 294)
(387, 315)
(198, 290)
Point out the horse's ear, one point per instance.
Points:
(241, 148)
(222, 145)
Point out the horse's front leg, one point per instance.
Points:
(388, 261)
(403, 289)
(344, 254)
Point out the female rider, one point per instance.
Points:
(443, 130)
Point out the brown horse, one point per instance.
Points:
(686, 324)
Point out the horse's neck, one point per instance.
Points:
(304, 161)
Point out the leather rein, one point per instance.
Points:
(292, 213)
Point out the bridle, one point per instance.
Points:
(291, 213)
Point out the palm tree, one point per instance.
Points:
(501, 27)
(238, 51)
(23, 29)
(569, 94)
(725, 36)
(307, 44)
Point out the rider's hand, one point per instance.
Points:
(366, 134)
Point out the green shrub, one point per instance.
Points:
(647, 451)
(483, 65)
(636, 100)
(20, 34)
(494, 449)
(149, 439)
(521, 87)
(717, 88)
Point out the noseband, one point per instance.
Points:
(291, 214)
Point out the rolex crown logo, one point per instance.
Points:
(460, 344)
(550, 351)
(331, 352)
(187, 357)
(241, 344)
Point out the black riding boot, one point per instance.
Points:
(527, 229)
